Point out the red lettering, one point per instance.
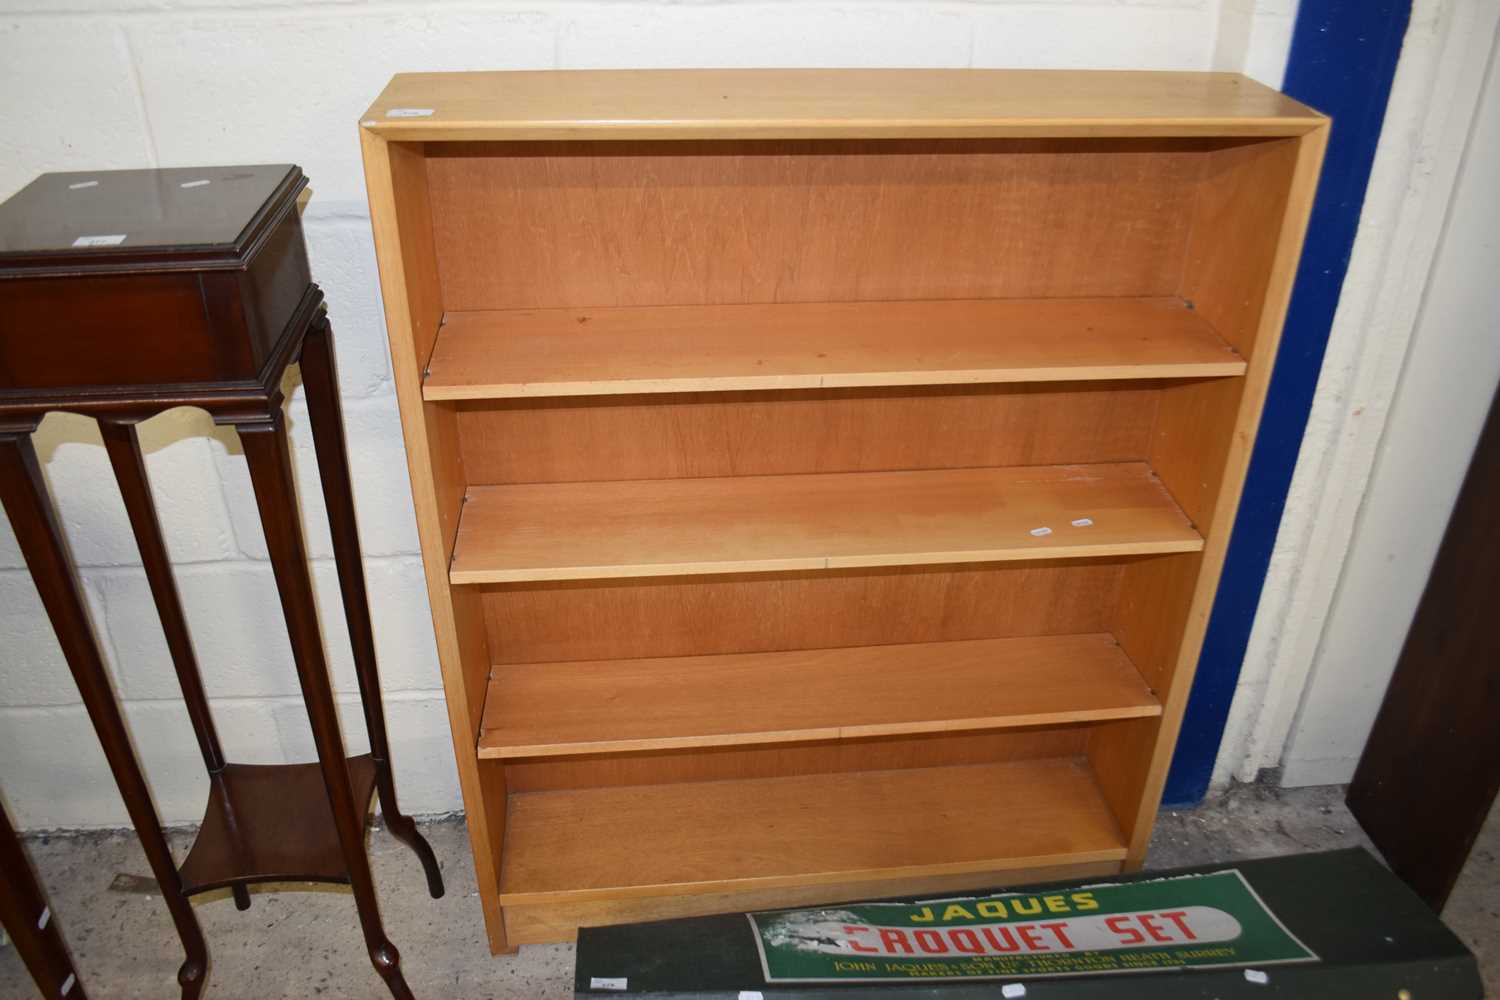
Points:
(1059, 931)
(855, 945)
(1176, 916)
(892, 939)
(1128, 935)
(1033, 940)
(1152, 928)
(966, 941)
(1004, 932)
(931, 942)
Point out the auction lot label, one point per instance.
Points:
(1190, 921)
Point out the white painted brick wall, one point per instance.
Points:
(92, 84)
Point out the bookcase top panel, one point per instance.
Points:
(829, 103)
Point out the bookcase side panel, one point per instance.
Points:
(396, 181)
(1249, 223)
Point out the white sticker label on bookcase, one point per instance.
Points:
(100, 241)
(409, 112)
(600, 983)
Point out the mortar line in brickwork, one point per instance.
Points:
(194, 567)
(407, 696)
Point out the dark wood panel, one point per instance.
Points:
(1431, 770)
(272, 284)
(152, 329)
(126, 330)
(175, 218)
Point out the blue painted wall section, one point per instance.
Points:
(1343, 59)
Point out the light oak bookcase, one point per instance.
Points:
(823, 477)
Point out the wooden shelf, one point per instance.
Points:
(271, 823)
(620, 706)
(505, 354)
(757, 524)
(718, 836)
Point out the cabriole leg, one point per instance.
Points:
(269, 459)
(31, 515)
(320, 377)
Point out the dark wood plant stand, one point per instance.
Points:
(205, 302)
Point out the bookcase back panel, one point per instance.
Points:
(558, 224)
(589, 620)
(804, 431)
(721, 764)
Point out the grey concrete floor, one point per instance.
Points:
(307, 943)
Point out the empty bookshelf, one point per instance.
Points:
(823, 477)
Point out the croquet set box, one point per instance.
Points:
(1328, 926)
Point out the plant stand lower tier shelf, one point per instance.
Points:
(611, 854)
(272, 823)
